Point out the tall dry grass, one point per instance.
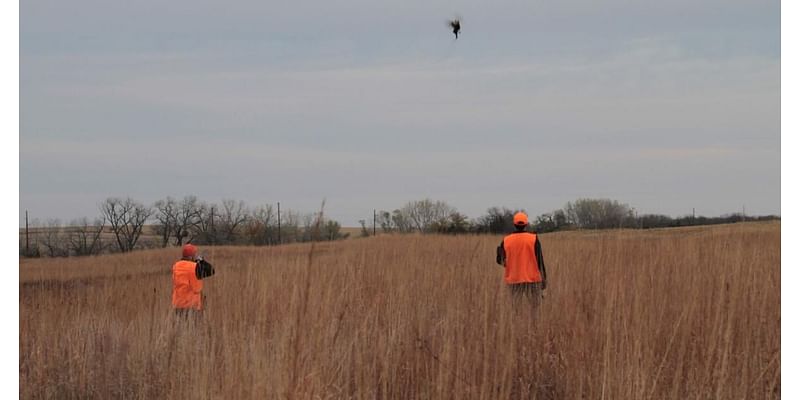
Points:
(686, 313)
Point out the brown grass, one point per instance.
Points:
(678, 313)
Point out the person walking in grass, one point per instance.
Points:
(187, 284)
(521, 254)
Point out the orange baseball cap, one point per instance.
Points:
(189, 250)
(520, 218)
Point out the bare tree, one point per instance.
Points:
(205, 231)
(598, 213)
(188, 216)
(496, 220)
(126, 218)
(424, 214)
(316, 227)
(401, 222)
(177, 220)
(385, 221)
(309, 223)
(166, 213)
(232, 219)
(84, 238)
(290, 226)
(54, 240)
(455, 223)
(260, 226)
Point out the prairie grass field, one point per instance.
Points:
(685, 313)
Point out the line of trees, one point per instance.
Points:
(427, 216)
(125, 224)
(172, 222)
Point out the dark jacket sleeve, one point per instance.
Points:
(203, 269)
(501, 254)
(540, 261)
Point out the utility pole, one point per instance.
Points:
(374, 220)
(693, 214)
(27, 240)
(279, 222)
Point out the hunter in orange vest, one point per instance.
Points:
(187, 284)
(521, 254)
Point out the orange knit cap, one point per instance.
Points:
(189, 250)
(520, 218)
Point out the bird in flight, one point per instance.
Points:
(456, 25)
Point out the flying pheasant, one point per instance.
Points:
(456, 25)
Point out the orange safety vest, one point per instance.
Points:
(521, 263)
(186, 287)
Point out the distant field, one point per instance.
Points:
(672, 313)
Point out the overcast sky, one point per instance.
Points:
(664, 105)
